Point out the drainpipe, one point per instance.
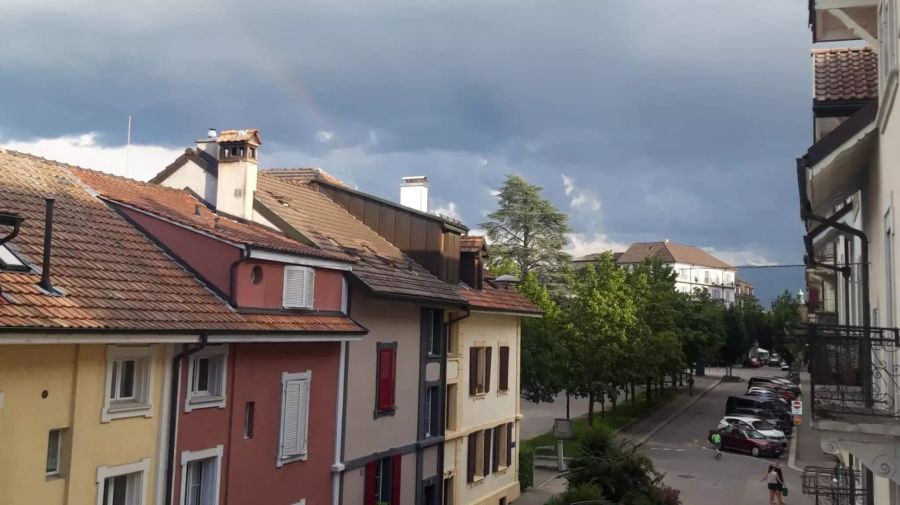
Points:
(338, 467)
(45, 283)
(232, 297)
(173, 412)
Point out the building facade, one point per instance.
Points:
(847, 180)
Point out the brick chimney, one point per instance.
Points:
(238, 155)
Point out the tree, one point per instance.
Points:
(528, 230)
(785, 314)
(544, 369)
(736, 344)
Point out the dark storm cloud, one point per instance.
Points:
(681, 118)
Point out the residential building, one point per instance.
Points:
(696, 270)
(388, 454)
(101, 330)
(743, 293)
(847, 180)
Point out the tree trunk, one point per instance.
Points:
(568, 411)
(602, 406)
(591, 409)
(632, 394)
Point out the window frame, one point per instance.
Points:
(60, 438)
(281, 458)
(480, 371)
(433, 340)
(432, 411)
(379, 410)
(309, 295)
(142, 468)
(888, 66)
(141, 403)
(196, 399)
(188, 457)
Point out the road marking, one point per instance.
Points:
(676, 449)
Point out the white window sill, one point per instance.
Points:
(203, 402)
(125, 410)
(281, 462)
(477, 481)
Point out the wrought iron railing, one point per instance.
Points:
(835, 486)
(854, 370)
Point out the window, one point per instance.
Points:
(294, 416)
(453, 340)
(430, 492)
(200, 476)
(385, 384)
(503, 379)
(249, 412)
(475, 468)
(452, 392)
(123, 485)
(299, 283)
(54, 452)
(206, 384)
(706, 276)
(432, 331)
(479, 370)
(683, 273)
(9, 261)
(500, 444)
(449, 491)
(383, 481)
(129, 382)
(432, 411)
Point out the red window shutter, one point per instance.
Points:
(386, 378)
(503, 381)
(370, 492)
(487, 369)
(395, 479)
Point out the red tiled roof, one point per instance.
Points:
(496, 299)
(670, 252)
(845, 74)
(110, 276)
(249, 135)
(304, 175)
(185, 208)
(471, 243)
(378, 264)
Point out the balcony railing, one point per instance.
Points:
(836, 486)
(854, 370)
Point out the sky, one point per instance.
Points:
(643, 119)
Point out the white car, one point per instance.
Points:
(767, 429)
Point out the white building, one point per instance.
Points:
(697, 270)
(847, 182)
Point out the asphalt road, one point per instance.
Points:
(680, 450)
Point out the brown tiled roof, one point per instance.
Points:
(186, 209)
(845, 74)
(378, 264)
(670, 252)
(248, 135)
(203, 159)
(304, 175)
(496, 299)
(472, 243)
(110, 276)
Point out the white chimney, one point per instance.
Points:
(238, 155)
(209, 144)
(414, 192)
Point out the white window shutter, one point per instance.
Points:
(299, 283)
(295, 415)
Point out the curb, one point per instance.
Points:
(671, 417)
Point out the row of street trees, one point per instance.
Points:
(605, 328)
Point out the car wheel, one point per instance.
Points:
(755, 451)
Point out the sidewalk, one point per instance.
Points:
(808, 451)
(548, 483)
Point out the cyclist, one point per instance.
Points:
(717, 443)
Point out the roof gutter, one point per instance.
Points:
(173, 413)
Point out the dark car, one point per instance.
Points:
(769, 403)
(774, 382)
(774, 361)
(749, 441)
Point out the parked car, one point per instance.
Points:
(774, 361)
(750, 441)
(784, 425)
(774, 382)
(785, 367)
(752, 423)
(763, 404)
(777, 392)
(752, 363)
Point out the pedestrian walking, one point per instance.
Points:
(717, 443)
(774, 482)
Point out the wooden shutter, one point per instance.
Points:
(295, 415)
(395, 479)
(509, 443)
(503, 380)
(496, 451)
(299, 284)
(473, 371)
(488, 450)
(473, 445)
(387, 364)
(487, 369)
(370, 491)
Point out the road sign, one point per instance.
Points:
(797, 408)
(562, 428)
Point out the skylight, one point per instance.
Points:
(10, 261)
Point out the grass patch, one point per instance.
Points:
(625, 413)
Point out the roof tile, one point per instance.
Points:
(845, 74)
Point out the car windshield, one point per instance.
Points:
(762, 425)
(754, 434)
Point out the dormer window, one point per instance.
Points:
(9, 261)
(299, 283)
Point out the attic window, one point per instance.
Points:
(9, 261)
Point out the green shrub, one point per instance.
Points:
(526, 466)
(576, 494)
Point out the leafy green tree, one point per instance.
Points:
(736, 344)
(544, 352)
(785, 314)
(528, 230)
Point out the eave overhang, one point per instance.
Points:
(839, 20)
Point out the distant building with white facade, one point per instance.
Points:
(697, 270)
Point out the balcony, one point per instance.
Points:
(835, 486)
